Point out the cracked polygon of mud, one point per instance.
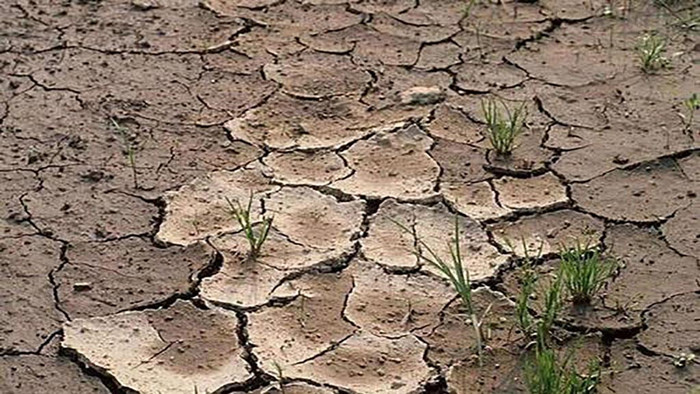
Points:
(176, 350)
(46, 372)
(305, 327)
(393, 305)
(391, 164)
(480, 76)
(438, 56)
(682, 231)
(370, 48)
(28, 315)
(315, 75)
(307, 19)
(313, 219)
(530, 193)
(366, 363)
(651, 271)
(160, 29)
(427, 34)
(453, 340)
(636, 372)
(393, 247)
(528, 155)
(460, 163)
(199, 209)
(309, 229)
(138, 85)
(105, 278)
(72, 207)
(550, 230)
(572, 56)
(315, 168)
(648, 192)
(285, 122)
(247, 283)
(671, 326)
(233, 8)
(451, 124)
(476, 200)
(36, 132)
(385, 93)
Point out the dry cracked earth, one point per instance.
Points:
(124, 125)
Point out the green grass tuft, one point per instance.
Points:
(503, 129)
(256, 239)
(651, 53)
(545, 373)
(585, 270)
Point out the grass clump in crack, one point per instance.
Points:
(502, 129)
(651, 53)
(255, 239)
(691, 105)
(458, 275)
(584, 271)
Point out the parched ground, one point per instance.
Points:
(124, 125)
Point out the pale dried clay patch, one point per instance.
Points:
(316, 168)
(477, 200)
(531, 193)
(175, 350)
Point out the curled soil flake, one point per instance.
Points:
(647, 193)
(551, 230)
(391, 164)
(393, 305)
(199, 208)
(176, 350)
(531, 193)
(365, 363)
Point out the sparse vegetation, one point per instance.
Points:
(584, 271)
(503, 129)
(545, 373)
(691, 105)
(256, 239)
(651, 53)
(458, 275)
(128, 150)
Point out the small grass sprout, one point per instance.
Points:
(129, 150)
(584, 270)
(503, 129)
(545, 373)
(242, 216)
(691, 105)
(528, 280)
(651, 53)
(552, 302)
(458, 275)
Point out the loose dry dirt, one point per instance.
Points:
(124, 125)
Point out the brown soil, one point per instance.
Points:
(125, 125)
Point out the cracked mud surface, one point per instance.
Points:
(126, 124)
